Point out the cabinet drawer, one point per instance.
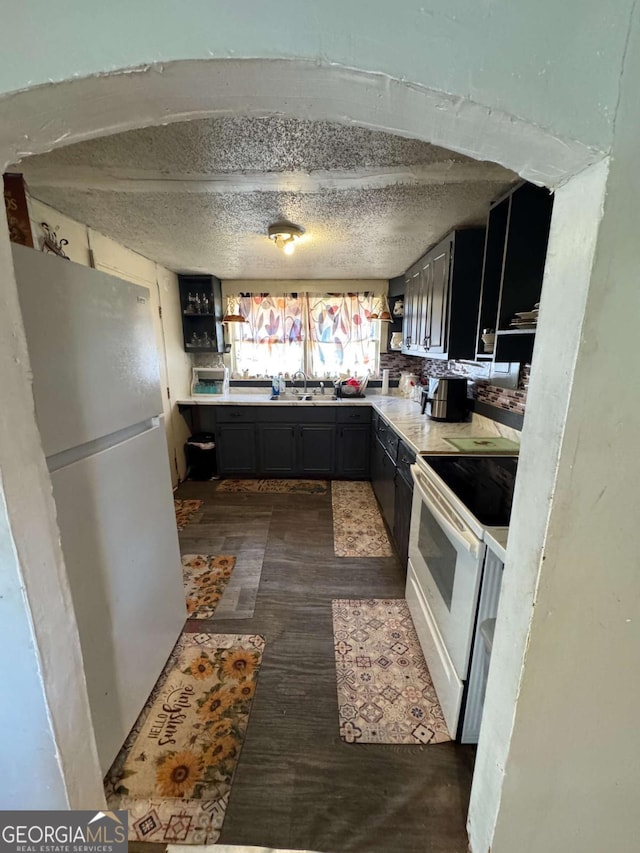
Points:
(279, 413)
(235, 414)
(390, 441)
(406, 458)
(354, 415)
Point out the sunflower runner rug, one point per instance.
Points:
(185, 510)
(385, 692)
(175, 770)
(273, 486)
(358, 528)
(205, 579)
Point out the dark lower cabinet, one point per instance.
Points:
(402, 518)
(353, 458)
(287, 442)
(383, 472)
(292, 449)
(277, 449)
(236, 448)
(316, 449)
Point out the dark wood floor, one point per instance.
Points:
(297, 784)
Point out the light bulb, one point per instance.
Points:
(289, 247)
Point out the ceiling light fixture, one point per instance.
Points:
(285, 235)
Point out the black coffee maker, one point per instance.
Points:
(445, 399)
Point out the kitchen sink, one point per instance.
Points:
(304, 398)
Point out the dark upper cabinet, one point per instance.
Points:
(442, 298)
(201, 308)
(437, 308)
(514, 260)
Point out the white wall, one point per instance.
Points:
(572, 772)
(333, 285)
(556, 64)
(91, 248)
(38, 780)
(178, 362)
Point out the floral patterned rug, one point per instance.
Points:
(185, 510)
(358, 528)
(175, 770)
(385, 692)
(302, 487)
(205, 579)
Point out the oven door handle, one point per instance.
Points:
(444, 514)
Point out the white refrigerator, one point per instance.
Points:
(98, 407)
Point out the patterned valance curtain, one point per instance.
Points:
(325, 335)
(271, 319)
(342, 336)
(272, 339)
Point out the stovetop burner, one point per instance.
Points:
(484, 484)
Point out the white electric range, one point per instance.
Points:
(456, 498)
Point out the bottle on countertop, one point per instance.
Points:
(282, 384)
(275, 386)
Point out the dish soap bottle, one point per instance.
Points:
(282, 384)
(275, 386)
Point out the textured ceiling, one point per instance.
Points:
(199, 195)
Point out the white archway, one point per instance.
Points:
(49, 116)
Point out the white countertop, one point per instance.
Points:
(417, 430)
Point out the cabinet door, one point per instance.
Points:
(316, 449)
(438, 318)
(277, 449)
(425, 285)
(402, 519)
(236, 448)
(353, 450)
(383, 472)
(411, 313)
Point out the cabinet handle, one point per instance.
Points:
(235, 414)
(407, 341)
(427, 342)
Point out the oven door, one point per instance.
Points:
(446, 557)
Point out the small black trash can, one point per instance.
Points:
(200, 451)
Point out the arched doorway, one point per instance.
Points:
(44, 118)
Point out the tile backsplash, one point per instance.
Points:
(512, 400)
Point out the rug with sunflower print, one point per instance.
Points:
(185, 511)
(175, 770)
(205, 579)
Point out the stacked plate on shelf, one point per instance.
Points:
(525, 319)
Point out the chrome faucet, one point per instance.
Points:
(304, 376)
